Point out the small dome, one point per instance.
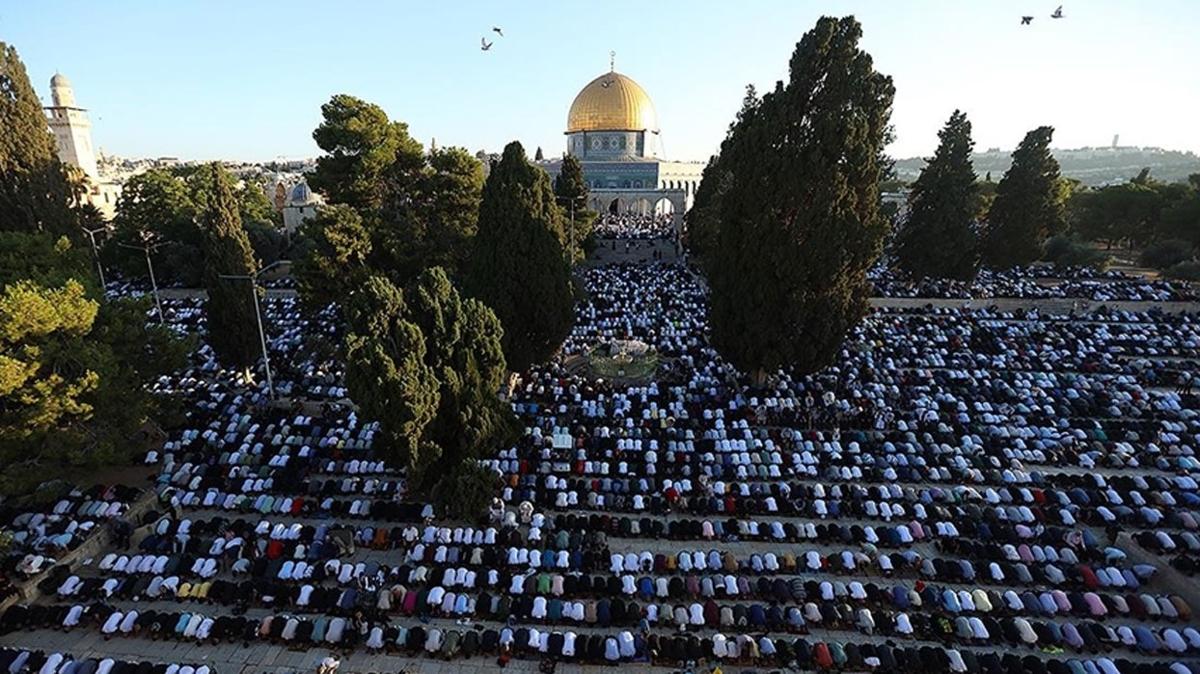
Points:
(612, 102)
(301, 193)
(60, 80)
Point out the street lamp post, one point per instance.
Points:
(96, 252)
(162, 319)
(571, 226)
(262, 334)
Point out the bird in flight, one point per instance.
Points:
(496, 30)
(1058, 13)
(606, 84)
(1026, 20)
(484, 44)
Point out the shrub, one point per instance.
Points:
(1166, 253)
(1064, 252)
(1188, 270)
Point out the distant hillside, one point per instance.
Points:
(1090, 165)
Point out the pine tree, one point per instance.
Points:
(939, 238)
(1028, 206)
(232, 322)
(361, 144)
(800, 224)
(517, 267)
(36, 194)
(538, 156)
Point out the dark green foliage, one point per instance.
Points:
(429, 213)
(704, 219)
(361, 144)
(571, 191)
(36, 191)
(1188, 270)
(428, 364)
(232, 323)
(266, 241)
(1166, 253)
(517, 267)
(331, 261)
(800, 223)
(1181, 220)
(465, 493)
(538, 156)
(1028, 206)
(1127, 212)
(156, 207)
(1063, 251)
(73, 371)
(938, 240)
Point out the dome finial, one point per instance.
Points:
(612, 61)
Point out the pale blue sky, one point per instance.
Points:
(245, 80)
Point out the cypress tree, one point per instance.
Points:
(428, 363)
(800, 224)
(570, 189)
(1028, 205)
(36, 194)
(232, 324)
(517, 266)
(939, 238)
(704, 219)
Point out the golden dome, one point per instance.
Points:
(612, 102)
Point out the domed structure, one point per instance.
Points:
(612, 119)
(612, 102)
(61, 92)
(612, 129)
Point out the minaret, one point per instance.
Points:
(71, 127)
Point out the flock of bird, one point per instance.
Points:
(484, 45)
(1058, 14)
(1026, 20)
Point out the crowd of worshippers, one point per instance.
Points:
(24, 661)
(958, 493)
(38, 537)
(635, 226)
(1035, 282)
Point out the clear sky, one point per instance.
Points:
(245, 79)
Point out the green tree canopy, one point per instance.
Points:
(703, 221)
(73, 371)
(571, 191)
(332, 261)
(36, 193)
(800, 223)
(429, 213)
(429, 365)
(360, 143)
(938, 240)
(517, 266)
(157, 208)
(1028, 206)
(232, 323)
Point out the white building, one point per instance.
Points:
(301, 205)
(73, 131)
